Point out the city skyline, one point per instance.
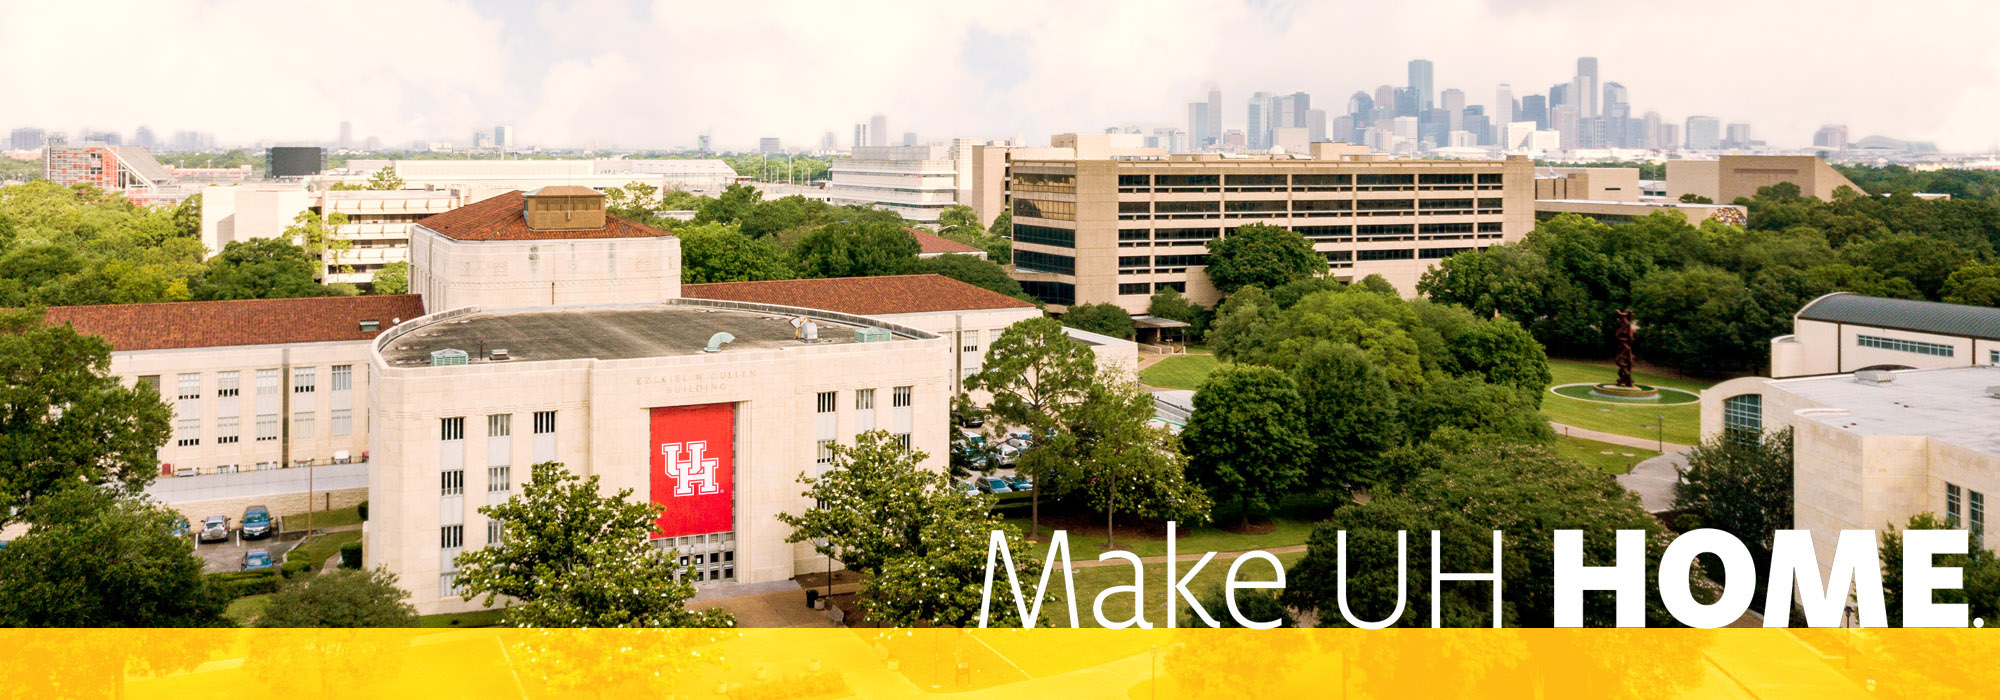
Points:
(800, 70)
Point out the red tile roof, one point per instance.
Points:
(933, 244)
(862, 296)
(208, 324)
(498, 218)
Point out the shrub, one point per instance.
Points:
(239, 584)
(362, 509)
(294, 568)
(350, 555)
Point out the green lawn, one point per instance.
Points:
(1683, 424)
(1591, 454)
(318, 549)
(481, 618)
(1093, 580)
(1180, 372)
(245, 610)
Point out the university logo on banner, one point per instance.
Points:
(693, 469)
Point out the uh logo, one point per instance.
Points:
(694, 476)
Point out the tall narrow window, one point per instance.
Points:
(190, 386)
(451, 536)
(545, 422)
(343, 377)
(499, 425)
(1953, 505)
(226, 429)
(302, 425)
(187, 432)
(827, 400)
(452, 429)
(864, 410)
(226, 384)
(267, 426)
(452, 483)
(902, 397)
(302, 380)
(1976, 512)
(495, 532)
(1743, 418)
(267, 382)
(499, 479)
(342, 421)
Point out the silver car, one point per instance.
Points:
(215, 528)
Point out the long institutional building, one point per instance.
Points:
(542, 330)
(1894, 407)
(1116, 228)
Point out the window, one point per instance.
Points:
(1317, 181)
(499, 479)
(187, 432)
(903, 439)
(1187, 180)
(1953, 505)
(545, 422)
(1489, 227)
(1994, 357)
(1170, 235)
(342, 421)
(150, 381)
(1977, 512)
(825, 455)
(226, 384)
(302, 380)
(1377, 180)
(302, 425)
(1134, 288)
(968, 341)
(451, 536)
(451, 429)
(1176, 286)
(1256, 207)
(1324, 232)
(1256, 181)
(900, 397)
(1044, 182)
(1446, 179)
(499, 425)
(448, 584)
(1128, 262)
(495, 531)
(1322, 205)
(1428, 229)
(827, 400)
(1440, 253)
(1921, 348)
(1743, 417)
(1135, 207)
(1179, 260)
(190, 386)
(267, 426)
(1050, 292)
(1029, 259)
(343, 377)
(1044, 235)
(1202, 207)
(1059, 211)
(1398, 254)
(226, 428)
(1134, 234)
(864, 399)
(1135, 180)
(451, 482)
(267, 382)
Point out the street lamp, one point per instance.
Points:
(1660, 422)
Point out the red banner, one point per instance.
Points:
(694, 455)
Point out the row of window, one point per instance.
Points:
(497, 425)
(187, 385)
(827, 405)
(1302, 179)
(1918, 347)
(187, 431)
(1060, 211)
(1956, 502)
(1045, 235)
(1046, 262)
(1149, 288)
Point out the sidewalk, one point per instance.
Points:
(1623, 440)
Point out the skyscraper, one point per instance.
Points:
(1704, 132)
(1257, 126)
(860, 135)
(144, 138)
(1197, 125)
(26, 138)
(1565, 121)
(1214, 115)
(1832, 137)
(878, 130)
(1738, 135)
(1503, 109)
(503, 137)
(1559, 95)
(1452, 101)
(1534, 108)
(1584, 89)
(1420, 85)
(346, 135)
(1385, 102)
(1649, 131)
(1360, 106)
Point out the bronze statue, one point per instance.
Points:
(1623, 336)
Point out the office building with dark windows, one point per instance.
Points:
(1118, 229)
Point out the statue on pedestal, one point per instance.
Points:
(1623, 336)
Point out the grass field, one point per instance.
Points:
(1093, 580)
(245, 610)
(1180, 372)
(319, 549)
(1591, 454)
(1683, 421)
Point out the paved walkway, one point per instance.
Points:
(1624, 440)
(1654, 480)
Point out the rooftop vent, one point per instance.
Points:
(871, 335)
(448, 356)
(564, 208)
(1874, 376)
(716, 341)
(371, 326)
(497, 355)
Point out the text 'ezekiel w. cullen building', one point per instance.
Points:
(1117, 228)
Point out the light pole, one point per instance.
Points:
(1660, 423)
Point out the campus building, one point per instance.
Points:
(1616, 196)
(1846, 332)
(128, 170)
(916, 182)
(1729, 177)
(1110, 229)
(544, 329)
(1873, 448)
(475, 180)
(376, 232)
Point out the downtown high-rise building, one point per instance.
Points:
(1214, 133)
(503, 137)
(878, 130)
(1737, 135)
(346, 135)
(1197, 125)
(1534, 108)
(1452, 101)
(1503, 108)
(1257, 124)
(1421, 89)
(26, 138)
(1832, 137)
(1704, 133)
(1583, 88)
(860, 135)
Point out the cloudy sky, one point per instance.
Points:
(654, 74)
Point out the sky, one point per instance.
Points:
(636, 74)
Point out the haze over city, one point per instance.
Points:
(437, 69)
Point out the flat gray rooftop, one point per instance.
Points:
(1946, 404)
(608, 333)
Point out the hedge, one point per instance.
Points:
(350, 555)
(239, 584)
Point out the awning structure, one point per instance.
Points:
(1153, 330)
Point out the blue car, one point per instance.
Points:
(257, 560)
(1021, 483)
(994, 484)
(256, 522)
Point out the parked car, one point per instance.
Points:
(259, 559)
(994, 484)
(256, 522)
(179, 528)
(1021, 483)
(215, 528)
(968, 488)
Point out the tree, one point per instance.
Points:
(1692, 198)
(67, 420)
(186, 217)
(1742, 487)
(1003, 225)
(1350, 413)
(1171, 304)
(260, 268)
(1694, 319)
(344, 598)
(921, 542)
(1103, 319)
(1981, 592)
(736, 202)
(1504, 353)
(393, 278)
(958, 221)
(864, 249)
(1261, 255)
(97, 557)
(721, 253)
(1035, 373)
(1247, 439)
(571, 557)
(974, 271)
(1470, 406)
(1926, 262)
(1975, 284)
(385, 179)
(319, 235)
(1123, 462)
(1243, 325)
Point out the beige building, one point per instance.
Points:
(479, 179)
(1727, 178)
(988, 192)
(1875, 447)
(1115, 229)
(376, 232)
(1615, 196)
(490, 254)
(1846, 332)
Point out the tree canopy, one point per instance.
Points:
(68, 420)
(344, 598)
(1247, 438)
(1263, 256)
(96, 557)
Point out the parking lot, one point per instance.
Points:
(228, 555)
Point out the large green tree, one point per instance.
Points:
(1123, 462)
(1261, 255)
(1035, 373)
(1247, 440)
(1742, 487)
(64, 419)
(571, 556)
(95, 557)
(1102, 318)
(861, 249)
(393, 278)
(260, 268)
(722, 253)
(344, 598)
(1349, 412)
